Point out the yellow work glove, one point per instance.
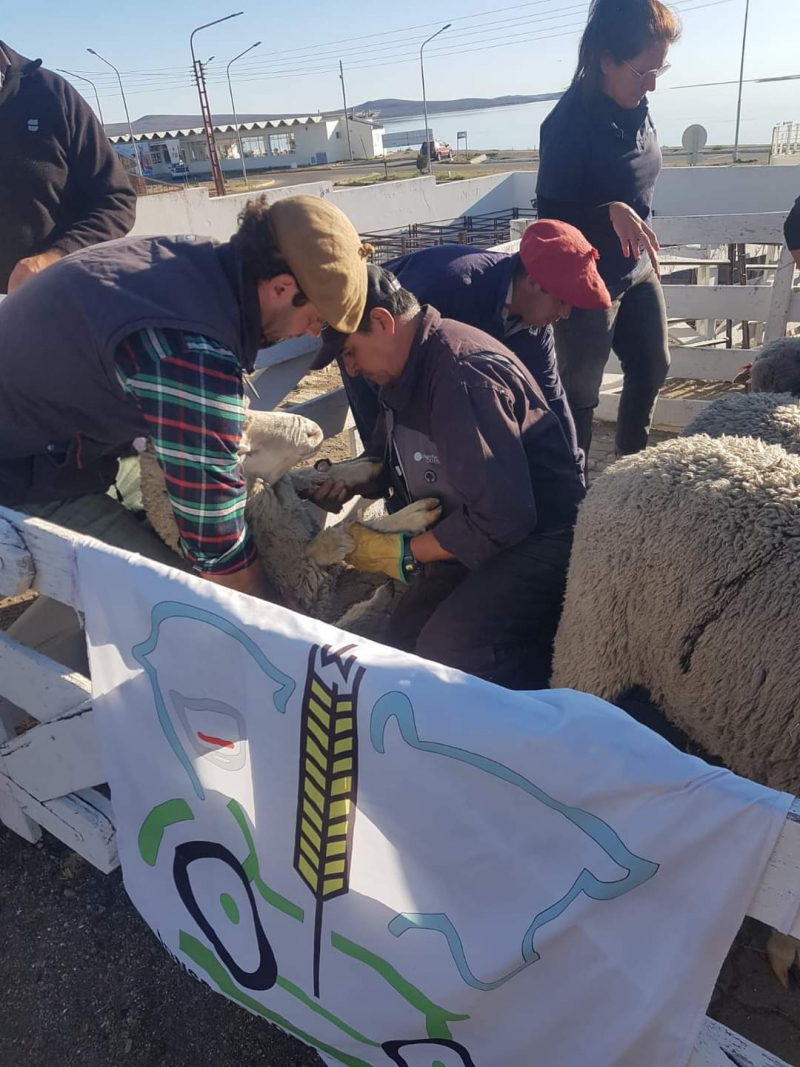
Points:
(379, 553)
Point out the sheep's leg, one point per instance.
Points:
(414, 519)
(353, 473)
(331, 545)
(782, 952)
(335, 544)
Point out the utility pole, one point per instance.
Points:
(125, 104)
(80, 78)
(233, 109)
(205, 110)
(424, 99)
(741, 80)
(346, 119)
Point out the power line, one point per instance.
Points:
(406, 56)
(363, 37)
(305, 62)
(504, 41)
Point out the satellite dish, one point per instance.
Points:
(694, 140)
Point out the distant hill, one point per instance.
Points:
(389, 109)
(384, 110)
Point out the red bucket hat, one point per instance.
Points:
(560, 259)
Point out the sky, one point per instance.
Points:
(494, 47)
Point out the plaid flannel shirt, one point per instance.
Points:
(190, 392)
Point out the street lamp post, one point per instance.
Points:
(233, 109)
(741, 80)
(208, 124)
(80, 78)
(125, 105)
(346, 119)
(424, 99)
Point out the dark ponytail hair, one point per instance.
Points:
(622, 28)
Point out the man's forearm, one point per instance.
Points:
(426, 549)
(251, 580)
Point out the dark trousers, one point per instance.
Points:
(635, 326)
(497, 623)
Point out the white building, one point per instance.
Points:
(292, 142)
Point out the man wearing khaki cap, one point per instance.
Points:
(152, 338)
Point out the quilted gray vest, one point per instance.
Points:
(64, 419)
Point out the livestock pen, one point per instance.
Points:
(51, 774)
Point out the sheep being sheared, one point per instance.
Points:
(300, 559)
(684, 580)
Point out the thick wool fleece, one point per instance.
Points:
(685, 579)
(771, 417)
(776, 367)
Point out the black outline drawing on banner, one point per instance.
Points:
(266, 974)
(392, 1050)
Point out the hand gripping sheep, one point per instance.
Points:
(685, 580)
(301, 560)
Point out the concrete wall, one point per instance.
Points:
(374, 207)
(706, 190)
(681, 191)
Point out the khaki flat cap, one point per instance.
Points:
(326, 256)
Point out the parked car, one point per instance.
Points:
(178, 171)
(439, 150)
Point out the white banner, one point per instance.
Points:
(400, 864)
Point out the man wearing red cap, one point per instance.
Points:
(516, 299)
(463, 421)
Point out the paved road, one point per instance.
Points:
(404, 167)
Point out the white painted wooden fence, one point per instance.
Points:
(775, 304)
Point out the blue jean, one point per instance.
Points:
(635, 327)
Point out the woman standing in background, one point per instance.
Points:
(599, 162)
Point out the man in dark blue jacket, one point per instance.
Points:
(514, 298)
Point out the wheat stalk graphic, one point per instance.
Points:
(327, 783)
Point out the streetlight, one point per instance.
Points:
(233, 108)
(741, 79)
(424, 100)
(96, 94)
(125, 103)
(197, 70)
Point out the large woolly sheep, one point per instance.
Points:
(775, 368)
(684, 580)
(770, 410)
(773, 418)
(302, 561)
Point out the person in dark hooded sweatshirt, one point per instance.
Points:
(62, 186)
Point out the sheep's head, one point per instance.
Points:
(275, 441)
(776, 367)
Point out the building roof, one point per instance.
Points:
(196, 131)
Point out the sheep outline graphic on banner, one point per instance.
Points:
(392, 706)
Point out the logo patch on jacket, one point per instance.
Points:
(33, 125)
